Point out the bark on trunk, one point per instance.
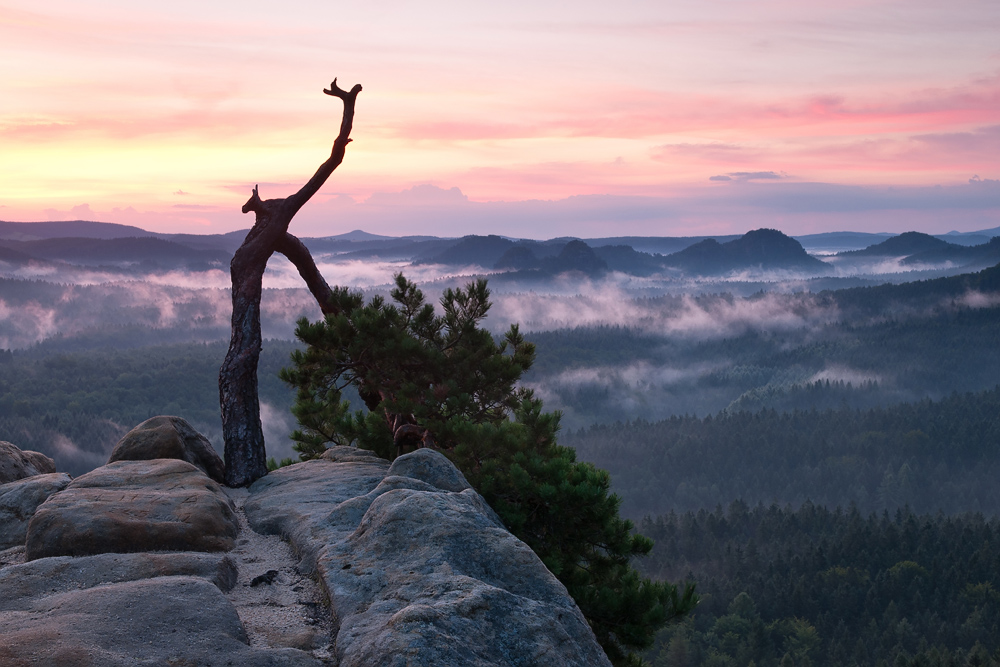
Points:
(246, 459)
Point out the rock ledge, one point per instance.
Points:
(128, 565)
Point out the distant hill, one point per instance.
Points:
(358, 235)
(986, 254)
(904, 245)
(87, 229)
(833, 242)
(914, 296)
(227, 243)
(518, 258)
(840, 242)
(920, 250)
(92, 243)
(577, 256)
(11, 256)
(471, 250)
(663, 245)
(574, 256)
(116, 251)
(30, 231)
(395, 249)
(765, 249)
(625, 259)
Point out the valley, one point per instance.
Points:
(748, 397)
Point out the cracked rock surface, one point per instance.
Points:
(418, 568)
(20, 499)
(342, 561)
(127, 506)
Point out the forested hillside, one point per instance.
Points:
(930, 455)
(788, 402)
(829, 588)
(74, 406)
(606, 374)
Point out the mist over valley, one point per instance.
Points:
(627, 328)
(742, 391)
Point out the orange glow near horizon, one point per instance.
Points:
(164, 116)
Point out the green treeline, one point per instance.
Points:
(895, 343)
(930, 455)
(928, 354)
(830, 588)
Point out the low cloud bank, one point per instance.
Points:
(712, 316)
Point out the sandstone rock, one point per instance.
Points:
(432, 467)
(343, 454)
(20, 499)
(131, 506)
(309, 493)
(61, 574)
(170, 438)
(420, 571)
(17, 464)
(175, 620)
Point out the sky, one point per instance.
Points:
(531, 119)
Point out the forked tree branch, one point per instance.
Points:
(241, 427)
(297, 253)
(295, 202)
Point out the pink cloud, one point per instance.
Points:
(512, 105)
(636, 113)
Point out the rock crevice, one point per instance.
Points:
(418, 568)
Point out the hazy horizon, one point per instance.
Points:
(530, 120)
(942, 228)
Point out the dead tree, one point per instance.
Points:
(245, 455)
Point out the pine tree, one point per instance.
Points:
(443, 381)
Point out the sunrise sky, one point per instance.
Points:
(534, 119)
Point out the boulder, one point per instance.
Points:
(171, 620)
(125, 567)
(170, 438)
(132, 506)
(16, 464)
(20, 499)
(418, 568)
(432, 467)
(60, 574)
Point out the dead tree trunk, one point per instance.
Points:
(245, 454)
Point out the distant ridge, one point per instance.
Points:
(764, 249)
(483, 251)
(663, 245)
(576, 256)
(761, 249)
(919, 293)
(907, 243)
(31, 231)
(986, 254)
(626, 259)
(840, 241)
(11, 256)
(130, 250)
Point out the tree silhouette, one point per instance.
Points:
(241, 428)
